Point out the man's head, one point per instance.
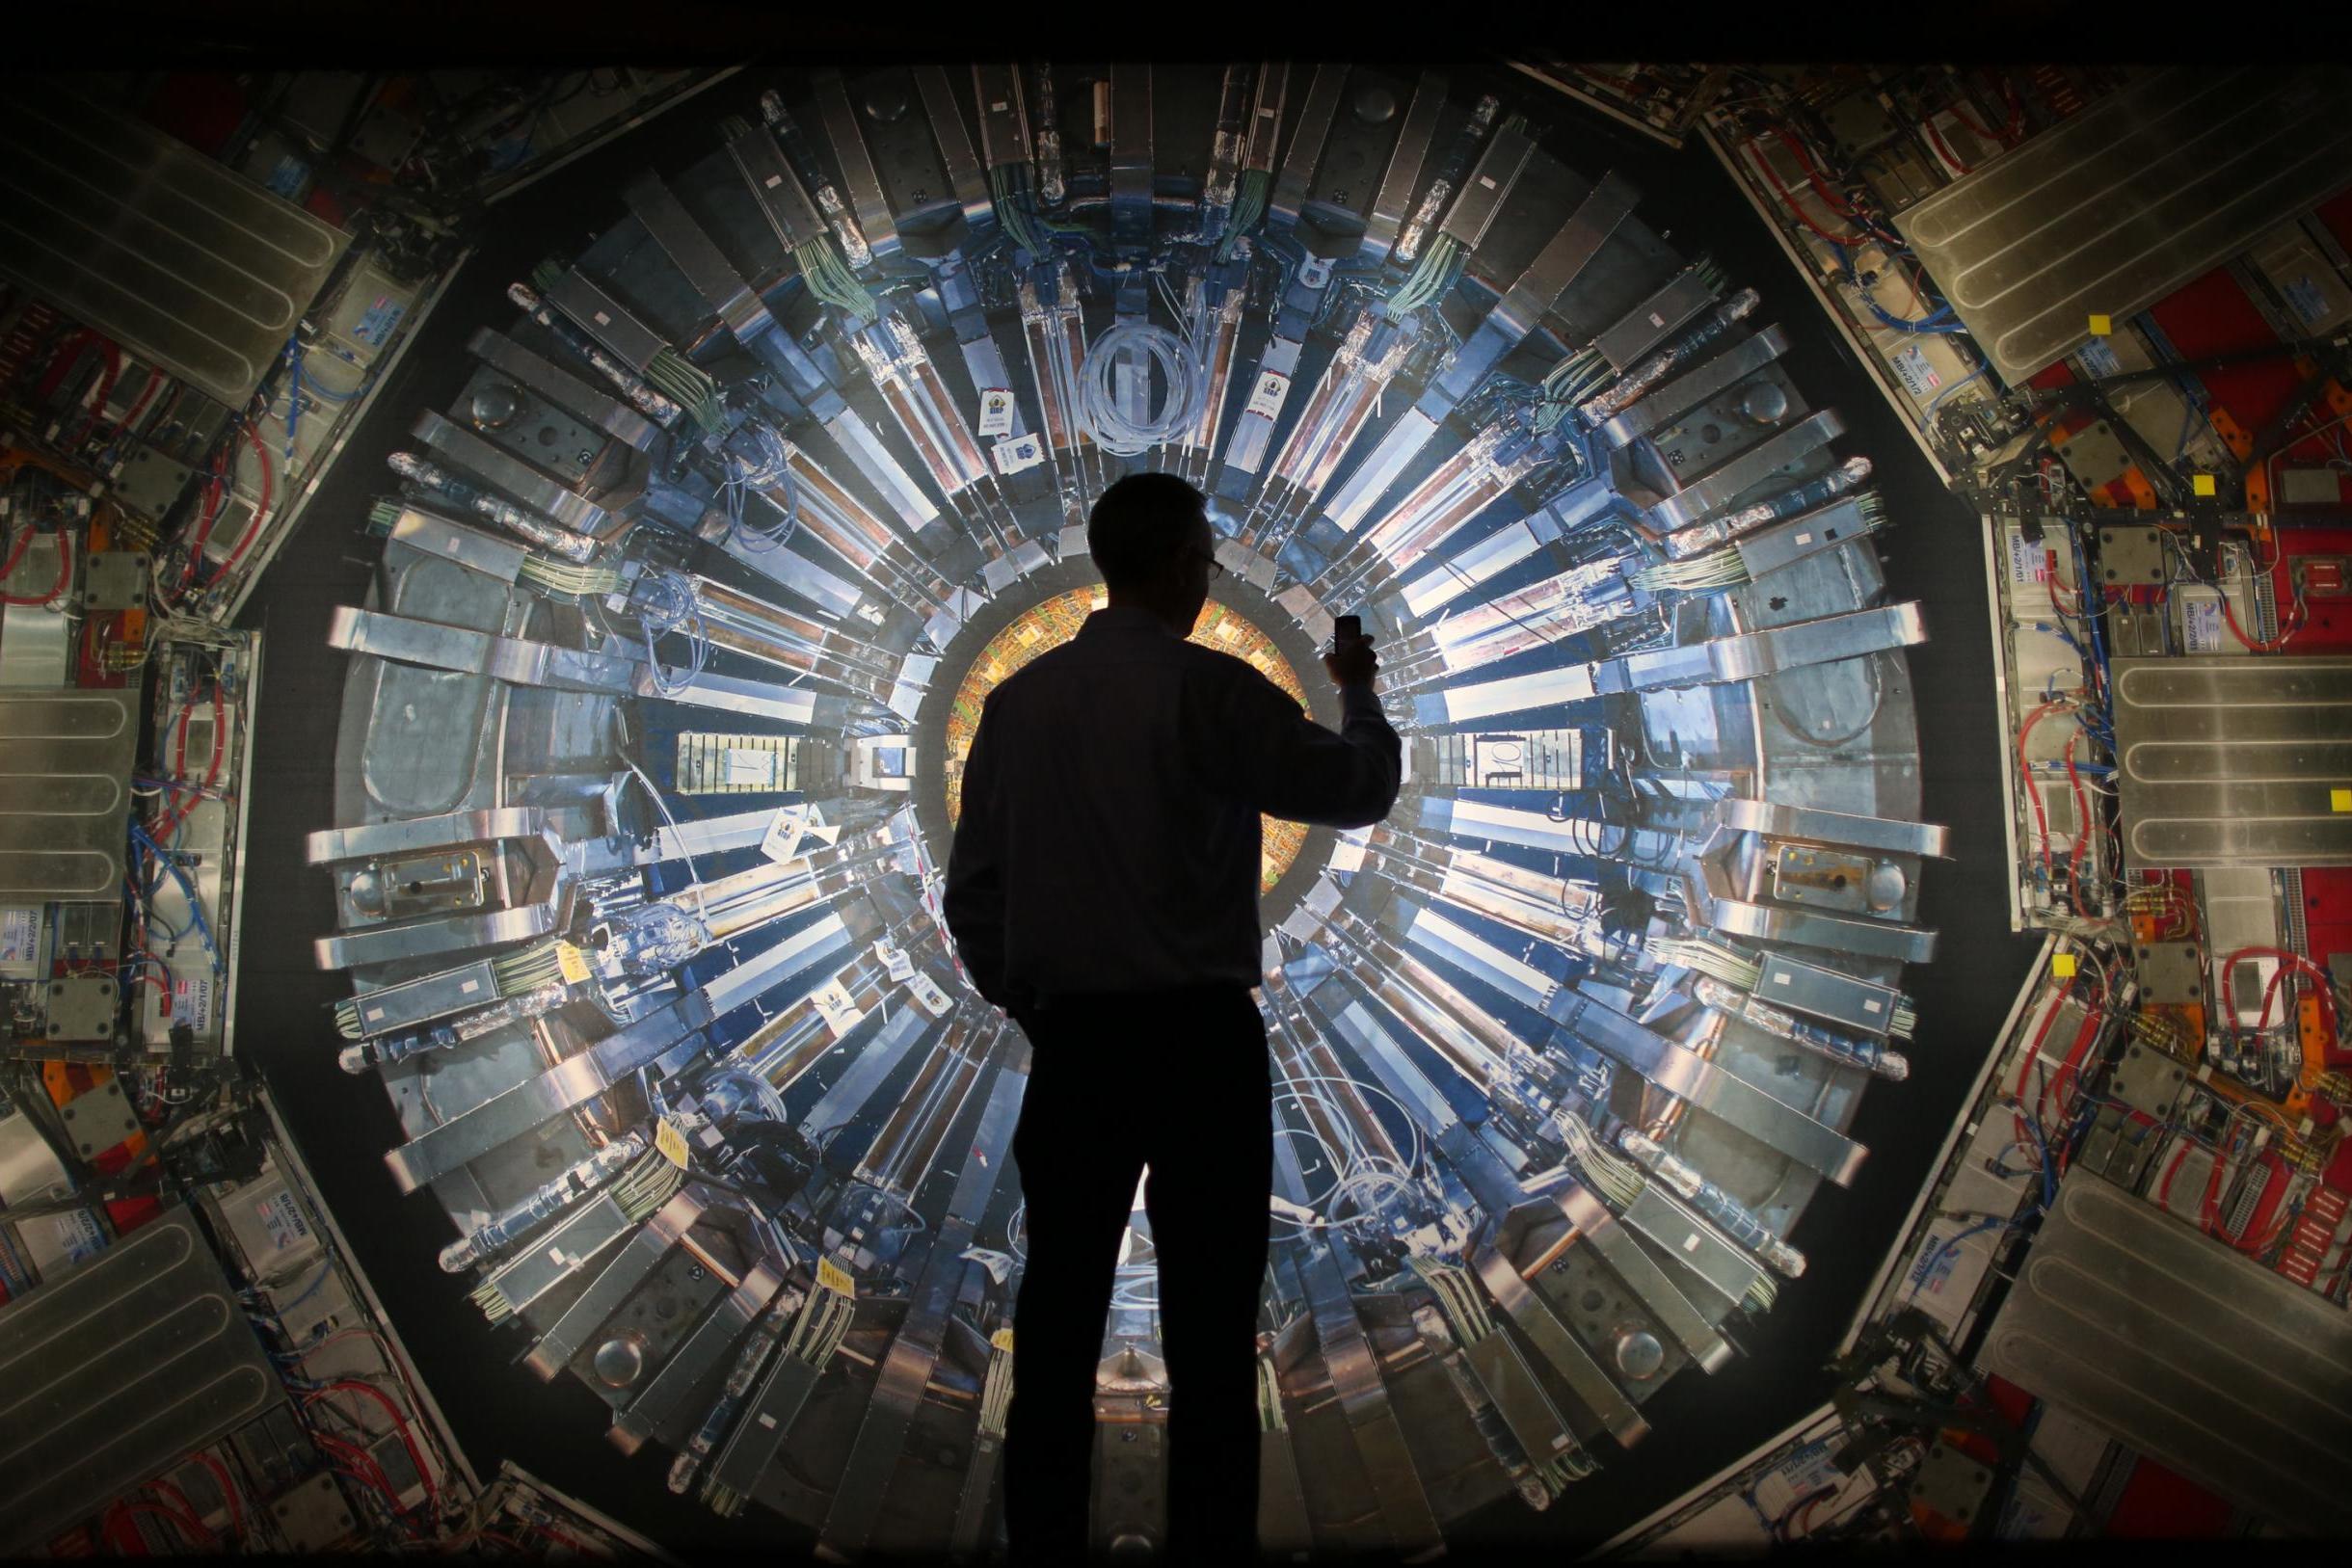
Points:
(1150, 535)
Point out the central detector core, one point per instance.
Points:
(1055, 622)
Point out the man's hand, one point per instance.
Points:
(1350, 662)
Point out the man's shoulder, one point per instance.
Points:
(1194, 661)
(1214, 663)
(1007, 693)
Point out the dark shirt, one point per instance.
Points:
(1109, 836)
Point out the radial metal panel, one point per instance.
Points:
(64, 792)
(177, 257)
(2228, 761)
(115, 1370)
(2187, 1350)
(2130, 198)
(893, 1443)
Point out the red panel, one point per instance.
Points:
(204, 109)
(324, 206)
(2313, 1238)
(2161, 1506)
(2337, 215)
(2212, 315)
(129, 1214)
(2327, 912)
(2013, 1403)
(2327, 628)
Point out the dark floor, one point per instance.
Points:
(556, 1432)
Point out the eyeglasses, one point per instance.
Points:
(1216, 568)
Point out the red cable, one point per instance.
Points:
(154, 385)
(400, 1424)
(2083, 826)
(202, 532)
(360, 1466)
(2164, 1192)
(561, 1537)
(2206, 1216)
(214, 494)
(1960, 112)
(106, 391)
(174, 813)
(178, 1499)
(1944, 146)
(192, 1530)
(168, 820)
(2033, 796)
(1764, 166)
(229, 1491)
(16, 554)
(65, 569)
(2033, 1055)
(2082, 1038)
(79, 340)
(2272, 645)
(253, 529)
(1805, 160)
(2288, 962)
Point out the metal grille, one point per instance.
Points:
(64, 792)
(180, 259)
(719, 764)
(2130, 198)
(1549, 760)
(114, 1370)
(2226, 760)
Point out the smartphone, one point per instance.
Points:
(1345, 628)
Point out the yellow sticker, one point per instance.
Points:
(670, 1142)
(2062, 965)
(2101, 326)
(2339, 800)
(1002, 1338)
(834, 1277)
(572, 961)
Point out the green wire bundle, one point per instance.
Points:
(1571, 381)
(683, 382)
(1439, 266)
(1249, 206)
(1011, 215)
(829, 278)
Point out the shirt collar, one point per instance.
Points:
(1123, 618)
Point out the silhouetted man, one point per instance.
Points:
(1102, 889)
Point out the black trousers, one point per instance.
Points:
(1178, 1081)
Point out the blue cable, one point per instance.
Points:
(293, 392)
(1927, 324)
(680, 613)
(1936, 400)
(317, 390)
(1921, 1274)
(2098, 647)
(196, 904)
(311, 1289)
